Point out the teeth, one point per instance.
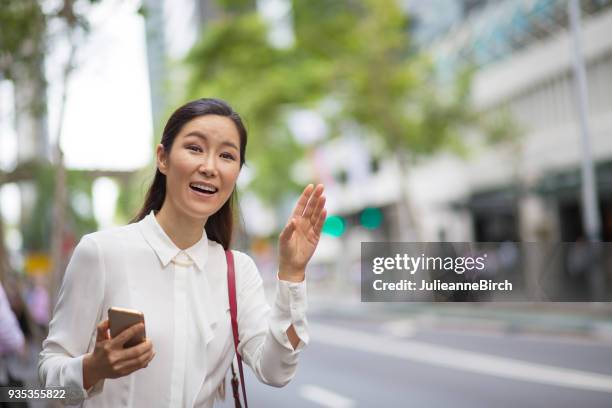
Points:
(204, 187)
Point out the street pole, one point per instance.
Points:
(590, 205)
(156, 55)
(590, 212)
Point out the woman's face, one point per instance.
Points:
(202, 167)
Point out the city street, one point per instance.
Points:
(426, 184)
(359, 363)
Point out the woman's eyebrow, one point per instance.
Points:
(203, 136)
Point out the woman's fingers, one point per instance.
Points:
(128, 333)
(102, 331)
(288, 230)
(303, 200)
(320, 221)
(309, 206)
(317, 212)
(128, 366)
(125, 361)
(313, 201)
(138, 350)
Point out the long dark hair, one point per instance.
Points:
(219, 225)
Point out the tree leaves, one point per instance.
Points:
(357, 52)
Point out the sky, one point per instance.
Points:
(108, 113)
(107, 123)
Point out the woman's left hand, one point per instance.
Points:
(300, 237)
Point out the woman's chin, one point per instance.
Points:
(200, 211)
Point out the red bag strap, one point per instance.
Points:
(231, 290)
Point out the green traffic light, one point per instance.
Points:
(334, 225)
(371, 218)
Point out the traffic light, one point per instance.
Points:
(334, 225)
(371, 218)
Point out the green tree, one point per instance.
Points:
(25, 41)
(359, 54)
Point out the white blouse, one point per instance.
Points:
(183, 295)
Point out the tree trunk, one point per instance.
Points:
(59, 196)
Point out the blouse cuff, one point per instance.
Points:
(74, 382)
(290, 309)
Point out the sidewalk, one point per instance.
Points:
(592, 321)
(26, 369)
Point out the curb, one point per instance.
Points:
(584, 321)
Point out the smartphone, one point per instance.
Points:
(120, 319)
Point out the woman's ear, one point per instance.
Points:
(162, 158)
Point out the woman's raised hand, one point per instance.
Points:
(110, 360)
(300, 237)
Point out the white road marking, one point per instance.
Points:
(325, 397)
(461, 360)
(399, 328)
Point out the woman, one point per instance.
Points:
(170, 264)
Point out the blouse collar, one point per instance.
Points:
(165, 249)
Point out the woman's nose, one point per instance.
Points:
(208, 167)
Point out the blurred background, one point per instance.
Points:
(431, 121)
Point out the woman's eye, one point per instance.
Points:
(194, 148)
(227, 156)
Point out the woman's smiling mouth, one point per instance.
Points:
(203, 189)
